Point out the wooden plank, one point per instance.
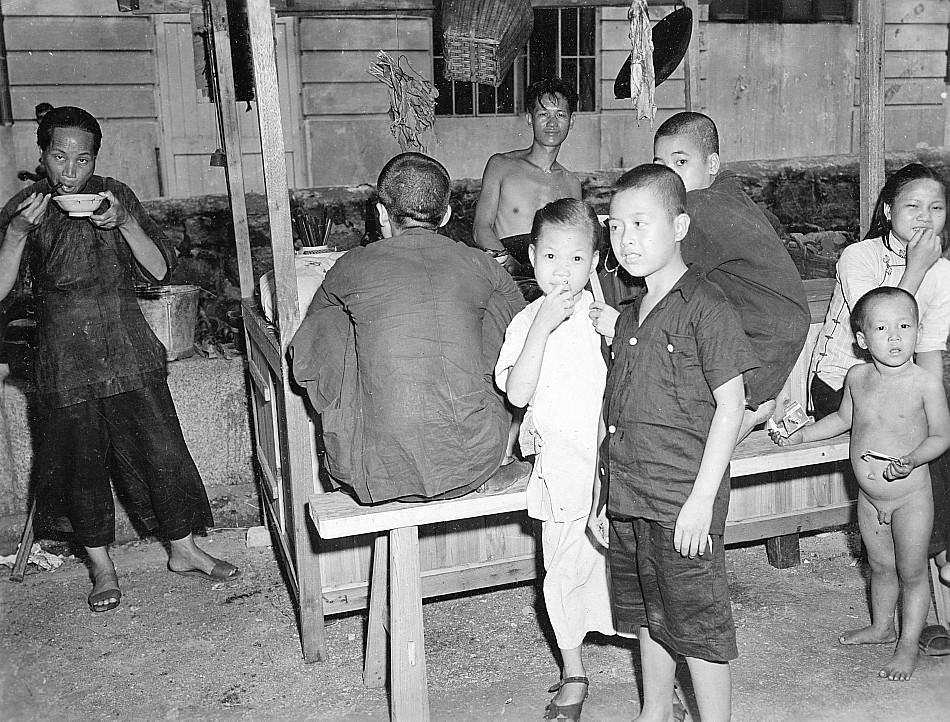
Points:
(871, 154)
(768, 96)
(408, 695)
(340, 515)
(303, 7)
(790, 523)
(226, 107)
(615, 36)
(296, 464)
(915, 37)
(350, 67)
(915, 11)
(103, 101)
(691, 90)
(375, 659)
(370, 98)
(918, 91)
(262, 332)
(38, 8)
(783, 551)
(670, 95)
(81, 68)
(366, 34)
(79, 33)
(912, 64)
(439, 582)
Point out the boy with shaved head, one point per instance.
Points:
(733, 242)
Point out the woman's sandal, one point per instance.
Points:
(566, 711)
(108, 598)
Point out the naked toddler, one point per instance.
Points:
(899, 422)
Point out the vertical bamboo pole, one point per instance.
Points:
(692, 71)
(294, 441)
(872, 107)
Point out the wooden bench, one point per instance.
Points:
(395, 594)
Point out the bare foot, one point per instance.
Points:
(945, 574)
(869, 635)
(570, 693)
(901, 666)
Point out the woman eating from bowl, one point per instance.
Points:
(105, 411)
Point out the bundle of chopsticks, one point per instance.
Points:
(311, 228)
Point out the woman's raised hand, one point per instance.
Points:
(29, 215)
(923, 250)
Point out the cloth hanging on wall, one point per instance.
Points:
(642, 76)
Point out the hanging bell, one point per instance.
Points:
(219, 159)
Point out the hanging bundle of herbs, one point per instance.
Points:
(411, 100)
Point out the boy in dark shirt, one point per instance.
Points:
(669, 438)
(732, 241)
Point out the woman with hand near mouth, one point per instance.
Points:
(902, 248)
(105, 412)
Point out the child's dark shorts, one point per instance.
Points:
(683, 602)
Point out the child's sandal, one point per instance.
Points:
(566, 711)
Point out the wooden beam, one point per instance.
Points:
(871, 152)
(295, 456)
(691, 67)
(231, 139)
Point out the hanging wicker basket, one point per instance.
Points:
(481, 38)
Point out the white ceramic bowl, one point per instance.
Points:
(79, 205)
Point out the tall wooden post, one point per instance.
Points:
(231, 140)
(294, 456)
(872, 107)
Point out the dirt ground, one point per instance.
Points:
(180, 648)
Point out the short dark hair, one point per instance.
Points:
(859, 316)
(550, 87)
(42, 108)
(880, 225)
(665, 184)
(67, 116)
(568, 212)
(697, 126)
(414, 189)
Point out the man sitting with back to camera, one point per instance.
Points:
(398, 348)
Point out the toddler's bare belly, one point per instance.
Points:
(888, 495)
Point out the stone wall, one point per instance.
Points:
(805, 195)
(211, 399)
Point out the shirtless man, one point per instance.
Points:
(518, 183)
(899, 422)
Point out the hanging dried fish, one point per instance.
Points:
(411, 100)
(642, 76)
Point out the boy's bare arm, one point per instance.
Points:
(486, 208)
(692, 525)
(597, 519)
(830, 426)
(143, 248)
